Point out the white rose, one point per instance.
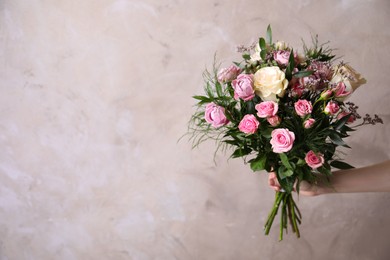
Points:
(346, 74)
(270, 83)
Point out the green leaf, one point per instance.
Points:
(202, 98)
(341, 165)
(336, 139)
(218, 88)
(283, 172)
(301, 162)
(347, 129)
(287, 182)
(269, 35)
(258, 163)
(240, 152)
(267, 132)
(263, 45)
(325, 169)
(246, 56)
(302, 74)
(290, 65)
(340, 123)
(285, 161)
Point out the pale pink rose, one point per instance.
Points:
(314, 160)
(303, 107)
(332, 108)
(249, 124)
(274, 120)
(340, 91)
(342, 114)
(267, 109)
(282, 57)
(243, 87)
(215, 115)
(228, 74)
(309, 123)
(282, 140)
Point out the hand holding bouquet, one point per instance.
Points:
(284, 112)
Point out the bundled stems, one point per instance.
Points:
(289, 211)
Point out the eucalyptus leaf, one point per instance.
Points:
(263, 54)
(269, 35)
(302, 74)
(290, 65)
(263, 45)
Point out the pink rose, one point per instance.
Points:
(309, 123)
(282, 140)
(249, 124)
(303, 107)
(282, 57)
(332, 108)
(228, 74)
(342, 114)
(314, 160)
(267, 109)
(243, 87)
(274, 120)
(215, 115)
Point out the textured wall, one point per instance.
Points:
(94, 96)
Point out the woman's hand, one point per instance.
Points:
(305, 188)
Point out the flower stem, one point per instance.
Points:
(290, 213)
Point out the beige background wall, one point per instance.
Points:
(94, 96)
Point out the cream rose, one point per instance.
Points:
(270, 83)
(351, 79)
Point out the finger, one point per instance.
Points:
(273, 181)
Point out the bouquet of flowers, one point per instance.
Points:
(283, 112)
